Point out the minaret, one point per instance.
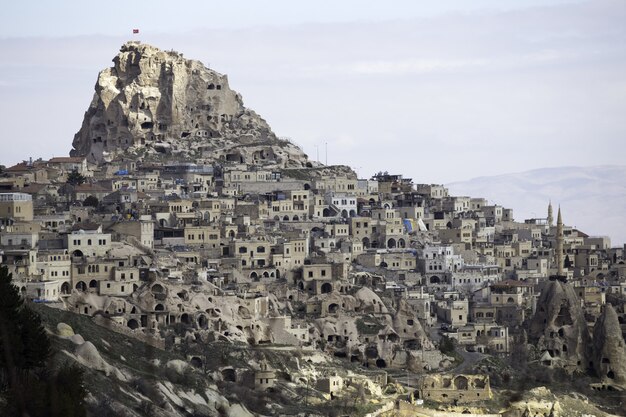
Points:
(559, 244)
(550, 216)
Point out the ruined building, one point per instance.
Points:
(457, 389)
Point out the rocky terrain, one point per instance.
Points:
(155, 103)
(127, 377)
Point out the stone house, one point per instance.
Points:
(458, 389)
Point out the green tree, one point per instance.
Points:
(91, 201)
(567, 263)
(27, 386)
(446, 345)
(74, 178)
(24, 344)
(67, 392)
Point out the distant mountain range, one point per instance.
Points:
(593, 199)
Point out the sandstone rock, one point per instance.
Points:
(77, 339)
(408, 327)
(369, 301)
(559, 327)
(237, 410)
(609, 349)
(177, 366)
(64, 330)
(154, 102)
(91, 357)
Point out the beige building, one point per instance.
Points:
(317, 278)
(335, 184)
(15, 206)
(56, 266)
(332, 384)
(207, 236)
(432, 190)
(88, 243)
(264, 377)
(453, 311)
(125, 281)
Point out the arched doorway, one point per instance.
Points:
(460, 383)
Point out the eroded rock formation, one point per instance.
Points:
(609, 349)
(559, 327)
(154, 102)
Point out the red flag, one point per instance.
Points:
(135, 30)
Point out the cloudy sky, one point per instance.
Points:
(440, 91)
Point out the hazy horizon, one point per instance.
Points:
(439, 93)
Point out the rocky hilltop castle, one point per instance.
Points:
(154, 102)
(182, 221)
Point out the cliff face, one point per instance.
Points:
(153, 102)
(559, 327)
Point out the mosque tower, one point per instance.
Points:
(559, 245)
(550, 216)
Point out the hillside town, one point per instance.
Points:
(187, 230)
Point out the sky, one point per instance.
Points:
(439, 91)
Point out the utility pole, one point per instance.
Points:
(317, 149)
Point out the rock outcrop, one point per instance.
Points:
(408, 327)
(609, 349)
(559, 327)
(153, 102)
